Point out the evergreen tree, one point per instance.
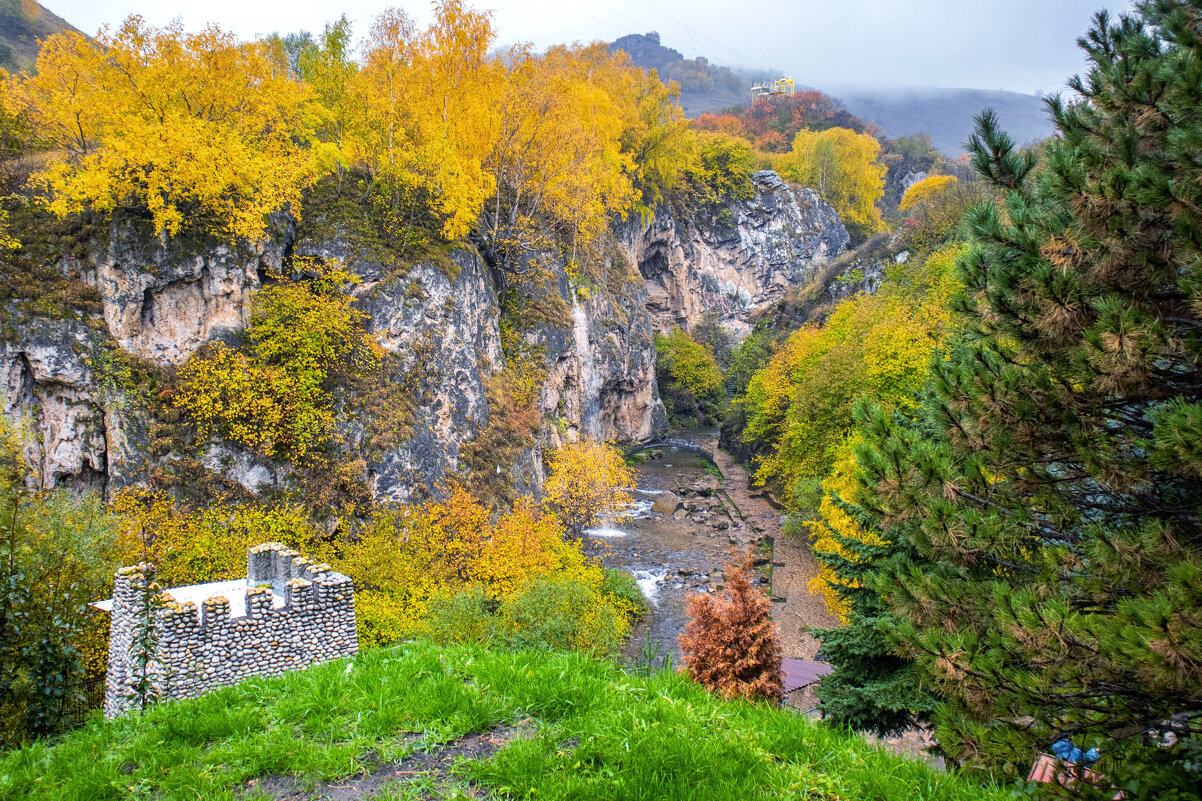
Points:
(1047, 508)
(872, 688)
(730, 644)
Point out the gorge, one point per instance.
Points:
(157, 303)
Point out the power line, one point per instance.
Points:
(747, 60)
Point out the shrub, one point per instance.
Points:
(274, 397)
(730, 644)
(195, 546)
(549, 614)
(562, 615)
(408, 561)
(57, 553)
(461, 617)
(623, 587)
(586, 484)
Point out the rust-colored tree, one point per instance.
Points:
(730, 644)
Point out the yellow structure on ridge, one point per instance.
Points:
(781, 86)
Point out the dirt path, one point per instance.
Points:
(423, 774)
(794, 566)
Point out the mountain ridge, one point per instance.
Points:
(946, 114)
(24, 24)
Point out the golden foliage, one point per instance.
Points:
(925, 190)
(875, 345)
(845, 168)
(172, 122)
(406, 558)
(274, 399)
(190, 546)
(424, 113)
(835, 523)
(586, 484)
(403, 560)
(568, 123)
(690, 380)
(181, 124)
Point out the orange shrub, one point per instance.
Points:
(731, 645)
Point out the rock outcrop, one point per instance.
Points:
(52, 403)
(439, 319)
(737, 260)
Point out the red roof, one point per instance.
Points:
(801, 673)
(1050, 770)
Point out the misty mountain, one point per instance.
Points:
(946, 114)
(23, 24)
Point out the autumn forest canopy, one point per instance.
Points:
(200, 128)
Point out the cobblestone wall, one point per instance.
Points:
(163, 650)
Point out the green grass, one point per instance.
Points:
(594, 732)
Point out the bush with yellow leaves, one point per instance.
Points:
(587, 484)
(273, 396)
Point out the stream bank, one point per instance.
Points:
(674, 554)
(681, 546)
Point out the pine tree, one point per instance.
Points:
(1051, 498)
(872, 688)
(730, 644)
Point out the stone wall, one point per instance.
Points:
(190, 651)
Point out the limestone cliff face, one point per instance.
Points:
(51, 402)
(736, 261)
(439, 320)
(159, 301)
(163, 302)
(445, 328)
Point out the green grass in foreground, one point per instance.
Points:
(594, 732)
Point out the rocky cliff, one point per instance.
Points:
(736, 260)
(84, 381)
(83, 424)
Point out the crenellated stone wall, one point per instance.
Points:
(296, 613)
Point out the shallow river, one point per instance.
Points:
(671, 556)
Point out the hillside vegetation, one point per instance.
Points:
(573, 728)
(994, 453)
(24, 24)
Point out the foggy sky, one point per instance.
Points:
(1020, 45)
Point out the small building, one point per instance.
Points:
(168, 644)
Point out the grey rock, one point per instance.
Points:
(737, 262)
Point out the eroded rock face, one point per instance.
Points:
(736, 261)
(162, 302)
(445, 327)
(601, 380)
(49, 401)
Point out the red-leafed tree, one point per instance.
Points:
(730, 644)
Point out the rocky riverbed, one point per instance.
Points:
(686, 523)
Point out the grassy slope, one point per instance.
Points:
(594, 732)
(23, 24)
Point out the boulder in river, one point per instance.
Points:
(666, 503)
